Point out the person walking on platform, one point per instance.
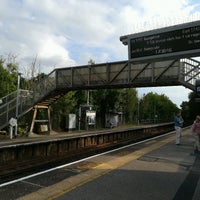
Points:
(178, 124)
(196, 133)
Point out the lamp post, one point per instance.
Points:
(138, 113)
(17, 100)
(139, 100)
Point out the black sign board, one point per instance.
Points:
(171, 42)
(197, 86)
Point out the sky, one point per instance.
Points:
(66, 33)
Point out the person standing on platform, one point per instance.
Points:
(196, 133)
(178, 124)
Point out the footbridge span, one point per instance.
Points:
(122, 74)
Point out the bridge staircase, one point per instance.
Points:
(190, 73)
(123, 74)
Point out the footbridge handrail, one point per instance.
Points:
(8, 107)
(191, 72)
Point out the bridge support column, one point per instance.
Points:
(47, 121)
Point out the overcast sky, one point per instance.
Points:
(64, 33)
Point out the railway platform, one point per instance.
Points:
(53, 135)
(159, 170)
(154, 170)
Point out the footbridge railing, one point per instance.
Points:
(10, 107)
(190, 72)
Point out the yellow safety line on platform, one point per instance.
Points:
(71, 183)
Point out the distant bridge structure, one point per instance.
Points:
(159, 67)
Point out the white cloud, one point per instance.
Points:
(86, 23)
(51, 46)
(63, 33)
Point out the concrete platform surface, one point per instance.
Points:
(155, 170)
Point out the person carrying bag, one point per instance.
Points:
(196, 133)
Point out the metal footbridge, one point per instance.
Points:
(123, 74)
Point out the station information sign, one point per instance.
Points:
(171, 42)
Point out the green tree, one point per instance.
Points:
(185, 110)
(192, 106)
(130, 104)
(8, 78)
(105, 101)
(60, 110)
(156, 107)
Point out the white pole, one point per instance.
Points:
(11, 132)
(138, 111)
(88, 97)
(79, 119)
(17, 101)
